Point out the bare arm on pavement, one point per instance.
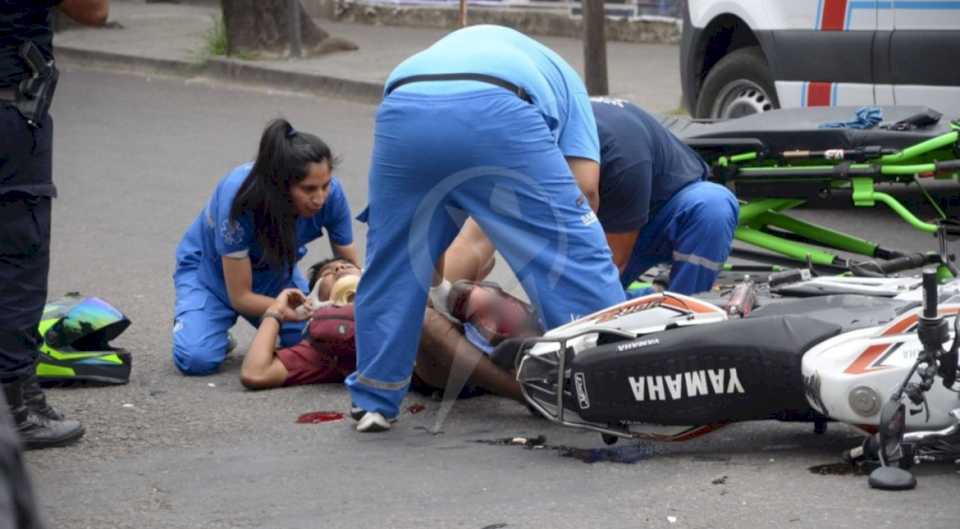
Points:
(261, 368)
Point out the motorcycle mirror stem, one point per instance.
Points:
(933, 329)
(929, 293)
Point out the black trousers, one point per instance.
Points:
(26, 193)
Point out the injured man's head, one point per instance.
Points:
(334, 280)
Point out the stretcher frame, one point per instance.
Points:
(765, 222)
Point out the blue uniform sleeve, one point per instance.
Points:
(625, 197)
(336, 217)
(578, 138)
(233, 238)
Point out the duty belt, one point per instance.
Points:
(490, 79)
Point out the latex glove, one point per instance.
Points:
(438, 297)
(313, 302)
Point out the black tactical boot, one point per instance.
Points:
(36, 401)
(38, 431)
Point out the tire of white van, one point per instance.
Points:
(739, 84)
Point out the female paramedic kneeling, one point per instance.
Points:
(490, 124)
(243, 248)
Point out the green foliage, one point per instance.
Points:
(216, 38)
(215, 43)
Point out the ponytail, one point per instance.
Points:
(282, 160)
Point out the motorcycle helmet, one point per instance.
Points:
(76, 332)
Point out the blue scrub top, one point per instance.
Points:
(212, 236)
(642, 165)
(555, 88)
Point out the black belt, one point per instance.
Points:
(518, 90)
(8, 93)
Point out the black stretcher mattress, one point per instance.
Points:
(798, 128)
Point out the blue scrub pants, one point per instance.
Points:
(436, 160)
(203, 320)
(693, 230)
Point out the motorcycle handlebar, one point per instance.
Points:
(880, 268)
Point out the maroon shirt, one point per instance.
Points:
(328, 353)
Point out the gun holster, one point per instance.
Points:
(35, 93)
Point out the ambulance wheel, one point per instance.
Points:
(739, 84)
(608, 439)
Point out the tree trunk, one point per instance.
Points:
(262, 27)
(595, 47)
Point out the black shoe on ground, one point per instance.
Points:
(36, 400)
(35, 430)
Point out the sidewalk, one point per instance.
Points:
(162, 38)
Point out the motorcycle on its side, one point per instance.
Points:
(670, 367)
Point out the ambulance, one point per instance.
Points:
(740, 57)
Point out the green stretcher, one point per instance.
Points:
(779, 160)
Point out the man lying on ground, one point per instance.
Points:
(327, 354)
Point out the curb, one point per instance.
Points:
(87, 57)
(233, 70)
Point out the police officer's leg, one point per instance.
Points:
(200, 328)
(24, 265)
(694, 230)
(24, 262)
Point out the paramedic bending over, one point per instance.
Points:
(488, 123)
(653, 201)
(243, 248)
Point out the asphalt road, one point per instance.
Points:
(135, 160)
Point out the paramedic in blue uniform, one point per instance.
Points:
(487, 123)
(243, 248)
(652, 199)
(655, 203)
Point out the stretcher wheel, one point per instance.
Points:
(608, 439)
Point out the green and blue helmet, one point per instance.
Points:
(76, 348)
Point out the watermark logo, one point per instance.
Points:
(517, 204)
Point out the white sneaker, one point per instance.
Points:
(373, 422)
